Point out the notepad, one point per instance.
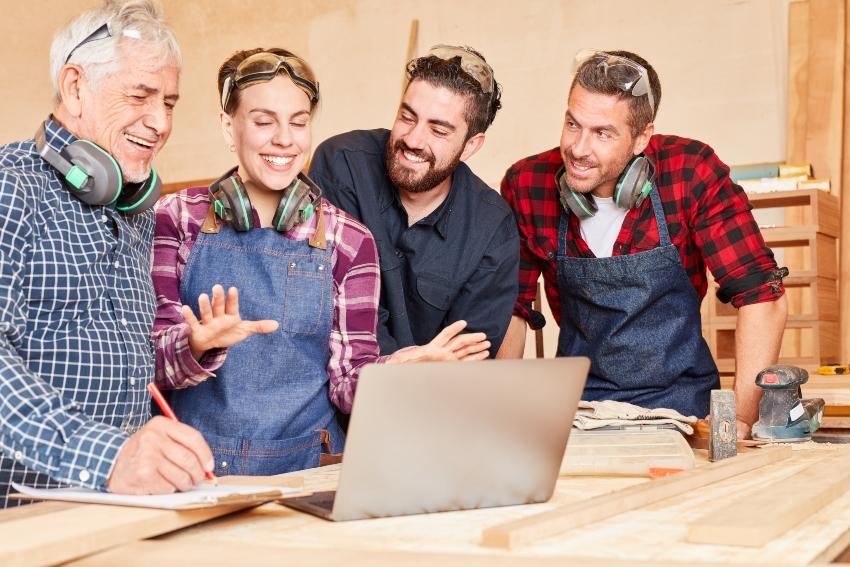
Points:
(205, 496)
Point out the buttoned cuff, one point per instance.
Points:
(89, 455)
(768, 291)
(535, 319)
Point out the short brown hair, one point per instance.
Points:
(228, 69)
(482, 107)
(592, 77)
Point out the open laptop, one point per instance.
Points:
(440, 436)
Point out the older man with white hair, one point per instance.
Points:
(76, 299)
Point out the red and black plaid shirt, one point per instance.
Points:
(708, 217)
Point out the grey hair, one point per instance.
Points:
(129, 20)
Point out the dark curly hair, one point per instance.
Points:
(481, 108)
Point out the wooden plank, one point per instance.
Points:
(798, 81)
(844, 260)
(540, 526)
(53, 532)
(825, 97)
(149, 553)
(790, 501)
(71, 533)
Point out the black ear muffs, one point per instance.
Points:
(580, 205)
(296, 204)
(138, 197)
(94, 177)
(232, 204)
(634, 183)
(633, 186)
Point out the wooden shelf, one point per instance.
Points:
(821, 207)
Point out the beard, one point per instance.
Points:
(605, 173)
(406, 179)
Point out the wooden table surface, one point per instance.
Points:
(654, 535)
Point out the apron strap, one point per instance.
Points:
(319, 238)
(211, 223)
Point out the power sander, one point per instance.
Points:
(784, 416)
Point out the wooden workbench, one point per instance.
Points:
(273, 534)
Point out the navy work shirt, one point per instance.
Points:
(459, 262)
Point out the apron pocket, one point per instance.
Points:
(305, 295)
(265, 457)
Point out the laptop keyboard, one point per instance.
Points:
(324, 500)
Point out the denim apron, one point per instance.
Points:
(637, 317)
(267, 409)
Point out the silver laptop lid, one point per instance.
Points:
(441, 436)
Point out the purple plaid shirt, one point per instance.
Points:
(179, 218)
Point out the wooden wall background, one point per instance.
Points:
(818, 127)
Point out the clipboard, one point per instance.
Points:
(205, 496)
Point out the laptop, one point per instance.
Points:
(442, 436)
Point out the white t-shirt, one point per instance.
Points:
(601, 230)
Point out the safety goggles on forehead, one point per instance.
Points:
(263, 67)
(102, 32)
(627, 75)
(471, 63)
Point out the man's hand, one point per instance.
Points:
(220, 325)
(160, 458)
(743, 429)
(450, 344)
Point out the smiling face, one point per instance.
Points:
(270, 130)
(597, 143)
(428, 138)
(129, 113)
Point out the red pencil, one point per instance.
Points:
(169, 413)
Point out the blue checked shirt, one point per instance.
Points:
(76, 311)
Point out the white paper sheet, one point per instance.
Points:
(202, 497)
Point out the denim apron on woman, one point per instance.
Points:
(267, 410)
(637, 318)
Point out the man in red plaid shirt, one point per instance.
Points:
(622, 223)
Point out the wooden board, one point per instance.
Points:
(81, 530)
(651, 535)
(791, 500)
(54, 532)
(149, 554)
(844, 261)
(532, 529)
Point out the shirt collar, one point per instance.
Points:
(438, 218)
(56, 136)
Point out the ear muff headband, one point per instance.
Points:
(632, 187)
(296, 206)
(571, 200)
(142, 196)
(634, 183)
(94, 176)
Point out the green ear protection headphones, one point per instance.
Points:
(633, 186)
(232, 205)
(94, 176)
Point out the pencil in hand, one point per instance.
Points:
(169, 413)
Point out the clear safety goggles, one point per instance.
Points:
(263, 67)
(627, 75)
(102, 32)
(471, 63)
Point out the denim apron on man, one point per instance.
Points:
(267, 409)
(637, 317)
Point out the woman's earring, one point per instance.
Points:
(232, 148)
